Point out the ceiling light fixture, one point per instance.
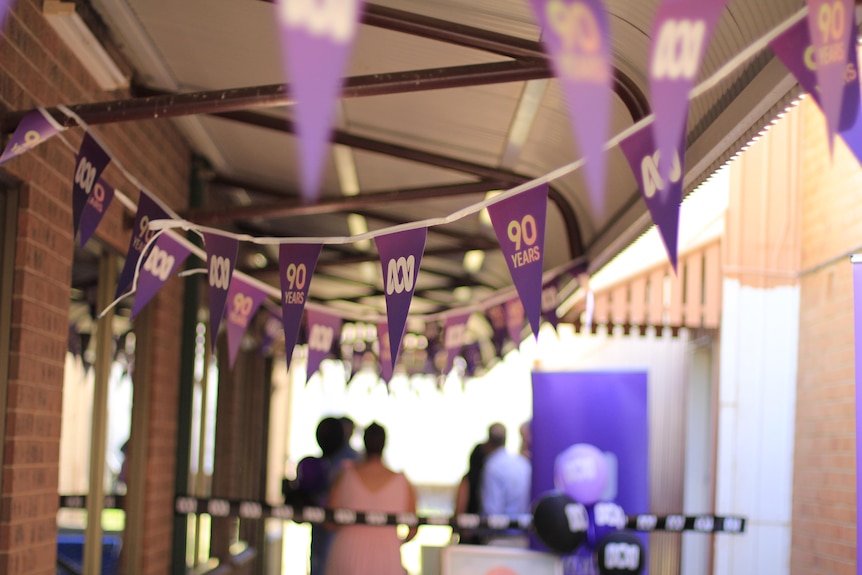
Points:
(69, 26)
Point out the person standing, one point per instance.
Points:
(370, 486)
(505, 486)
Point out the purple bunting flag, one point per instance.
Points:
(497, 318)
(95, 208)
(91, 162)
(317, 39)
(296, 263)
(576, 36)
(662, 195)
(161, 261)
(453, 338)
(795, 50)
(830, 23)
(387, 358)
(243, 300)
(148, 210)
(680, 35)
(221, 261)
(519, 223)
(515, 320)
(35, 127)
(323, 332)
(400, 256)
(550, 302)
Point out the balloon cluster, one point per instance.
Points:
(574, 515)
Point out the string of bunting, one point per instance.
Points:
(653, 147)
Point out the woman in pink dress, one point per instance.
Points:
(370, 486)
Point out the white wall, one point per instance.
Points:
(757, 402)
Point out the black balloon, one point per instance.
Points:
(620, 552)
(560, 522)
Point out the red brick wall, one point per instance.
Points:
(36, 69)
(824, 494)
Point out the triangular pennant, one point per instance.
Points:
(34, 128)
(576, 36)
(296, 263)
(453, 338)
(161, 261)
(148, 210)
(681, 32)
(243, 299)
(95, 208)
(317, 38)
(89, 165)
(497, 318)
(401, 257)
(221, 261)
(830, 23)
(519, 223)
(323, 332)
(794, 49)
(550, 303)
(662, 196)
(515, 320)
(387, 358)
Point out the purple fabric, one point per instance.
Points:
(317, 39)
(89, 165)
(35, 127)
(576, 36)
(453, 338)
(95, 208)
(221, 261)
(162, 261)
(324, 330)
(243, 300)
(519, 223)
(296, 263)
(148, 210)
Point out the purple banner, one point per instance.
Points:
(324, 330)
(662, 195)
(296, 263)
(519, 223)
(317, 39)
(576, 36)
(221, 261)
(857, 325)
(829, 28)
(579, 415)
(453, 338)
(387, 358)
(161, 262)
(497, 318)
(35, 127)
(515, 320)
(794, 49)
(550, 302)
(89, 165)
(401, 257)
(243, 299)
(95, 208)
(148, 210)
(680, 33)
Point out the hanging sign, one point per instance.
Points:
(324, 331)
(519, 223)
(35, 127)
(680, 33)
(317, 38)
(576, 36)
(662, 195)
(296, 263)
(160, 263)
(400, 256)
(221, 261)
(94, 210)
(453, 338)
(243, 300)
(148, 210)
(89, 165)
(830, 23)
